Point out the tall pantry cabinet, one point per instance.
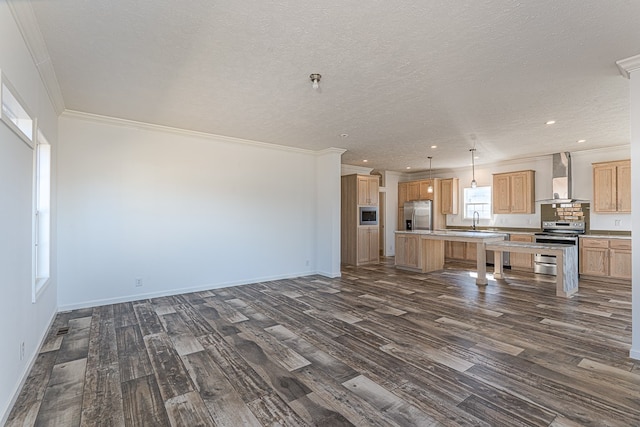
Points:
(359, 244)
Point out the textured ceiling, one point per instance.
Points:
(397, 76)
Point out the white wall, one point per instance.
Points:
(635, 208)
(22, 320)
(391, 180)
(327, 210)
(182, 211)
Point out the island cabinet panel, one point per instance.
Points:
(612, 187)
(408, 251)
(455, 250)
(460, 251)
(449, 196)
(471, 251)
(514, 192)
(521, 261)
(606, 257)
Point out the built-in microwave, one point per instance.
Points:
(368, 215)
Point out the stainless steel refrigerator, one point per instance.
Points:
(418, 215)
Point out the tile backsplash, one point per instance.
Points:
(566, 212)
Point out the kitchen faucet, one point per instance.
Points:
(476, 219)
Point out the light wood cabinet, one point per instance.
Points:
(612, 187)
(521, 261)
(408, 251)
(368, 245)
(449, 196)
(424, 190)
(455, 250)
(460, 251)
(471, 251)
(402, 194)
(413, 191)
(410, 191)
(358, 244)
(368, 189)
(514, 192)
(620, 261)
(606, 257)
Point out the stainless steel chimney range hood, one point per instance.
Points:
(561, 180)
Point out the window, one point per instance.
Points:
(14, 113)
(477, 200)
(42, 215)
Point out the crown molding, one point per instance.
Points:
(115, 121)
(330, 150)
(25, 19)
(351, 169)
(628, 65)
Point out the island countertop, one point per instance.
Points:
(479, 235)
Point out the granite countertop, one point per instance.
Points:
(532, 245)
(456, 233)
(594, 234)
(601, 234)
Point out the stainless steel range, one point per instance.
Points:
(560, 232)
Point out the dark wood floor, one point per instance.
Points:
(376, 347)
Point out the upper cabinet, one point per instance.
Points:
(612, 186)
(411, 191)
(514, 192)
(368, 189)
(449, 196)
(424, 189)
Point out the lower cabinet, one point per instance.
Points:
(368, 245)
(521, 261)
(408, 251)
(606, 257)
(460, 251)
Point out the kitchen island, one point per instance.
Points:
(566, 261)
(423, 251)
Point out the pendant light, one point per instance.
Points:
(315, 80)
(474, 184)
(430, 187)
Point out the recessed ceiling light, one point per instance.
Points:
(365, 161)
(344, 135)
(582, 140)
(408, 167)
(550, 122)
(434, 146)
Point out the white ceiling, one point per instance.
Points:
(397, 76)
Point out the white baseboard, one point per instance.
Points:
(27, 371)
(177, 291)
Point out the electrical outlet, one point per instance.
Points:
(306, 263)
(138, 282)
(22, 350)
(618, 222)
